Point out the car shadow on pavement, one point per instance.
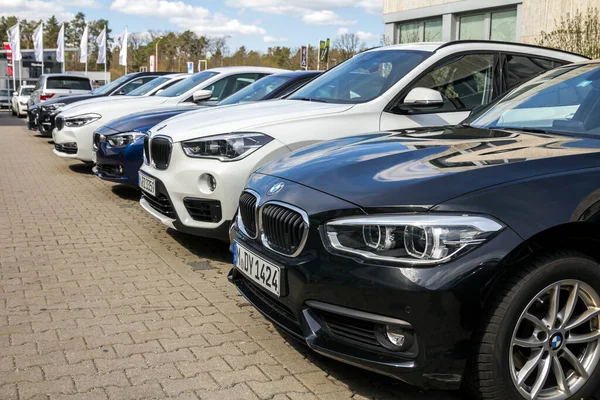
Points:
(127, 192)
(366, 383)
(82, 168)
(211, 249)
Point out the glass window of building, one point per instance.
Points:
(504, 26)
(429, 30)
(472, 27)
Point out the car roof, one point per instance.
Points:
(246, 69)
(464, 45)
(298, 74)
(175, 75)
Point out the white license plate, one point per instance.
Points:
(147, 184)
(265, 274)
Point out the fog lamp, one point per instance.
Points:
(212, 182)
(396, 338)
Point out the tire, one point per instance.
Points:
(12, 110)
(491, 372)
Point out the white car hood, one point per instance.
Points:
(242, 117)
(110, 106)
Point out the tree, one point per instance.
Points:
(347, 45)
(578, 33)
(51, 30)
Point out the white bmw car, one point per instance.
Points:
(76, 124)
(197, 164)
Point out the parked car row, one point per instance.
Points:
(424, 211)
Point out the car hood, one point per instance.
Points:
(423, 168)
(69, 99)
(114, 108)
(243, 117)
(143, 121)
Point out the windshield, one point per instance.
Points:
(148, 87)
(187, 84)
(257, 91)
(362, 78)
(562, 100)
(26, 91)
(108, 88)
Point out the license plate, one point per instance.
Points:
(148, 184)
(265, 274)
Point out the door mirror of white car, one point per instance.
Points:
(200, 95)
(15, 93)
(421, 98)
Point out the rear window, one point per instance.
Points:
(69, 83)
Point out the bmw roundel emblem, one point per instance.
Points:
(556, 341)
(276, 188)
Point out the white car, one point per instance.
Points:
(75, 125)
(19, 100)
(197, 163)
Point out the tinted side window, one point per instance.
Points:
(134, 84)
(292, 88)
(464, 83)
(72, 83)
(228, 86)
(520, 69)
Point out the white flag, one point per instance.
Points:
(121, 41)
(101, 42)
(38, 42)
(83, 46)
(14, 37)
(60, 45)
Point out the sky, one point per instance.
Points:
(256, 24)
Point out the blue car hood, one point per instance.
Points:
(143, 121)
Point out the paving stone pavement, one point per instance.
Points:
(100, 301)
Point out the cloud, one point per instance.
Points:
(40, 9)
(342, 31)
(312, 12)
(325, 17)
(272, 39)
(186, 16)
(371, 6)
(367, 36)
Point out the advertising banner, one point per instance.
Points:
(304, 57)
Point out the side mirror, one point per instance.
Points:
(200, 95)
(15, 93)
(421, 98)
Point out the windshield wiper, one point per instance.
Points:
(309, 99)
(523, 129)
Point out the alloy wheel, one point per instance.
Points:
(555, 345)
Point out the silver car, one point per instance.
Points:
(52, 86)
(5, 98)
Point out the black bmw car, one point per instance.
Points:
(462, 256)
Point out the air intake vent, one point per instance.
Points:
(248, 213)
(160, 151)
(284, 230)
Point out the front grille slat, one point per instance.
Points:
(161, 203)
(248, 212)
(147, 148)
(160, 152)
(283, 228)
(203, 210)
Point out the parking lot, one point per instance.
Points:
(100, 301)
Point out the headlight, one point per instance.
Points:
(124, 139)
(23, 103)
(81, 120)
(230, 147)
(409, 239)
(54, 108)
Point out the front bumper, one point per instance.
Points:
(82, 136)
(46, 122)
(442, 304)
(120, 165)
(184, 182)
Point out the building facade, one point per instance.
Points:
(507, 20)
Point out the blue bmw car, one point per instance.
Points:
(119, 145)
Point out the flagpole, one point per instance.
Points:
(105, 60)
(42, 48)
